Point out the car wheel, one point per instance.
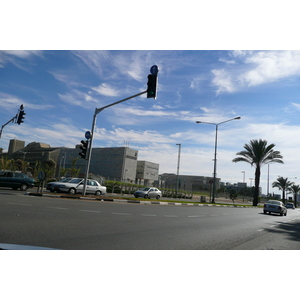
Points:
(146, 196)
(265, 212)
(98, 193)
(72, 191)
(281, 214)
(157, 197)
(23, 187)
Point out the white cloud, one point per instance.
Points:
(106, 90)
(222, 81)
(253, 68)
(270, 66)
(77, 98)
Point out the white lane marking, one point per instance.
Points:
(24, 204)
(92, 211)
(197, 216)
(260, 230)
(123, 214)
(148, 215)
(57, 207)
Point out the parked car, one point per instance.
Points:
(275, 206)
(290, 205)
(15, 180)
(50, 185)
(75, 186)
(148, 192)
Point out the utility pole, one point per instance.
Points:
(177, 182)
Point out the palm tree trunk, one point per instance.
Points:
(256, 186)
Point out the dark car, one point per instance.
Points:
(15, 180)
(290, 205)
(275, 206)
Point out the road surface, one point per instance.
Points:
(77, 224)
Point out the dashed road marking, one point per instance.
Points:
(57, 207)
(92, 211)
(123, 214)
(24, 204)
(148, 215)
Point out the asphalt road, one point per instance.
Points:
(77, 224)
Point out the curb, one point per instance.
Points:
(138, 201)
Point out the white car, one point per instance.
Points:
(148, 192)
(50, 185)
(76, 186)
(275, 206)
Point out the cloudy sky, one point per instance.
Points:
(61, 89)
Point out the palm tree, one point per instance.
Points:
(282, 184)
(5, 163)
(257, 153)
(295, 189)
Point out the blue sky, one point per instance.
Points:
(61, 89)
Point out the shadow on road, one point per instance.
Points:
(290, 230)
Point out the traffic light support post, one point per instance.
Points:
(11, 120)
(97, 111)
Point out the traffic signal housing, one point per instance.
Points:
(83, 148)
(152, 84)
(21, 117)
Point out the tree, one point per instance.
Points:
(282, 184)
(74, 171)
(257, 153)
(5, 163)
(295, 189)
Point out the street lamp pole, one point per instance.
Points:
(215, 155)
(177, 182)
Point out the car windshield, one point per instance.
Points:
(274, 202)
(76, 180)
(65, 179)
(145, 189)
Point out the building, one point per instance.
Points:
(146, 172)
(187, 182)
(112, 163)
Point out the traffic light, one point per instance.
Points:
(21, 117)
(152, 83)
(83, 148)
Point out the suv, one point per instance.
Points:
(15, 180)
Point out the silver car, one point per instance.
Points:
(50, 185)
(275, 206)
(76, 186)
(148, 192)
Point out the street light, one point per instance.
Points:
(215, 159)
(177, 182)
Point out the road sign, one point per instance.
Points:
(88, 135)
(154, 70)
(41, 175)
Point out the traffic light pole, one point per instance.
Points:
(97, 111)
(14, 118)
(11, 120)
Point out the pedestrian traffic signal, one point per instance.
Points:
(83, 148)
(21, 117)
(152, 83)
